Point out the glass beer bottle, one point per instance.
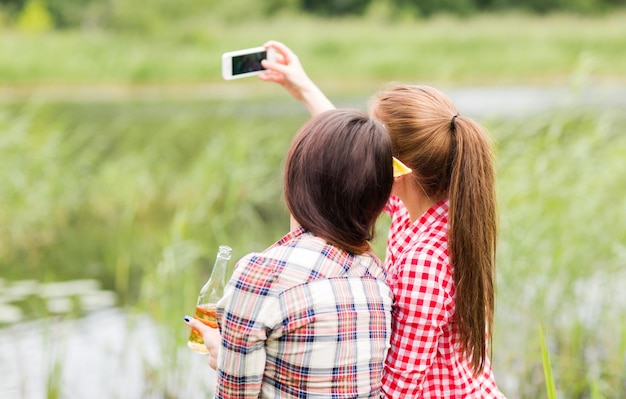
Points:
(210, 293)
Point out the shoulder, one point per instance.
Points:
(369, 265)
(424, 262)
(287, 263)
(427, 247)
(254, 274)
(424, 267)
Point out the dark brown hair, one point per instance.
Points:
(451, 156)
(338, 177)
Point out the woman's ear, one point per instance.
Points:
(399, 168)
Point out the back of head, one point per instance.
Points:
(418, 120)
(451, 156)
(338, 177)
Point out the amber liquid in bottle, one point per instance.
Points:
(206, 314)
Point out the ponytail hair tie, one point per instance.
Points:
(452, 126)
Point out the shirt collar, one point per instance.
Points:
(434, 214)
(295, 233)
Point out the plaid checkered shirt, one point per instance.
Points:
(304, 319)
(424, 360)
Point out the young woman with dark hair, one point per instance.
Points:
(440, 258)
(311, 315)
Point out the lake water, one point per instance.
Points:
(107, 354)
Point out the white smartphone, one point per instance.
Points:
(247, 62)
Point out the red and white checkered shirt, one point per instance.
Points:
(304, 319)
(425, 360)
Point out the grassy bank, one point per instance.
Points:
(342, 54)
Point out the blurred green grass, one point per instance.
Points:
(139, 195)
(342, 54)
(561, 249)
(87, 181)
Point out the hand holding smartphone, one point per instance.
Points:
(244, 63)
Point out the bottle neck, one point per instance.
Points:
(213, 290)
(220, 268)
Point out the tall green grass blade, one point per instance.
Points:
(595, 390)
(547, 367)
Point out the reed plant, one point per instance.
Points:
(547, 367)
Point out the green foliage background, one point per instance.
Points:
(145, 15)
(124, 157)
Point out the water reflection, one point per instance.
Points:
(75, 296)
(107, 354)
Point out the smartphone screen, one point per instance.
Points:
(248, 63)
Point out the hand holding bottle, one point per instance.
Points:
(209, 295)
(211, 337)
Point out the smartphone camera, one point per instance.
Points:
(243, 63)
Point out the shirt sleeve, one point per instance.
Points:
(421, 308)
(244, 310)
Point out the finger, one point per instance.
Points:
(274, 66)
(213, 362)
(196, 324)
(282, 50)
(272, 77)
(279, 59)
(213, 335)
(212, 340)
